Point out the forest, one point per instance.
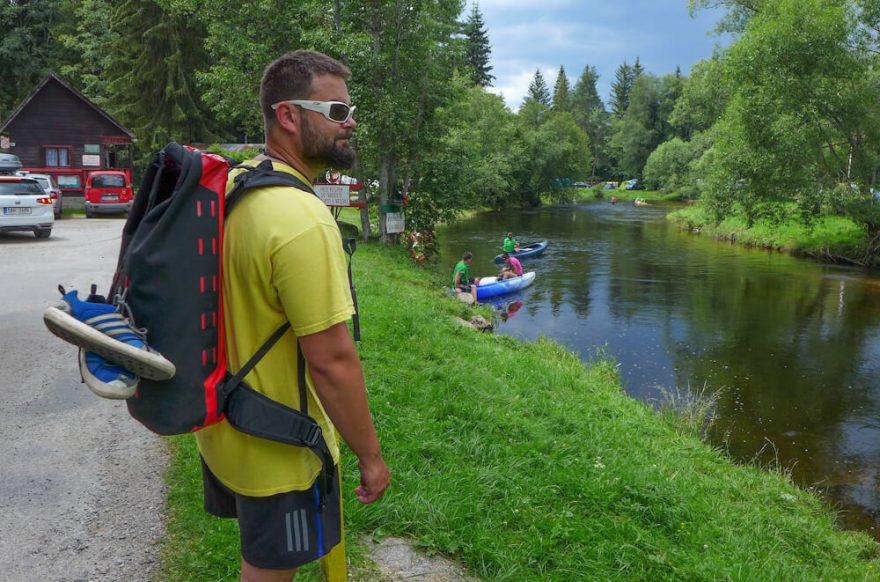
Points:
(783, 120)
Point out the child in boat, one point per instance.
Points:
(512, 267)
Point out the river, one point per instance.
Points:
(792, 346)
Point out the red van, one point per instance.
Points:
(107, 192)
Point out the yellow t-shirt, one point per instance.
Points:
(282, 260)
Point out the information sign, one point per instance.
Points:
(333, 194)
(394, 222)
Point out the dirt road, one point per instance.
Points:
(81, 489)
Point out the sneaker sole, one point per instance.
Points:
(105, 389)
(141, 362)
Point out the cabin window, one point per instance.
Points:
(69, 182)
(57, 157)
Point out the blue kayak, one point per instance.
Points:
(492, 286)
(532, 250)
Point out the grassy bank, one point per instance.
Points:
(523, 464)
(830, 238)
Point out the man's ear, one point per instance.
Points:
(288, 117)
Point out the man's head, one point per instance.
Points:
(509, 235)
(466, 257)
(307, 109)
(505, 257)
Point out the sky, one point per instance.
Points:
(526, 35)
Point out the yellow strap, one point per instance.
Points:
(333, 565)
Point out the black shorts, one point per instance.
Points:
(282, 531)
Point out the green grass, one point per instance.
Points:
(623, 194)
(522, 463)
(830, 237)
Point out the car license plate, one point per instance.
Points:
(16, 211)
(109, 197)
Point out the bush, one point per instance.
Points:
(670, 167)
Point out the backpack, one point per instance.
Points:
(168, 278)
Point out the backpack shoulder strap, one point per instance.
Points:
(264, 175)
(261, 176)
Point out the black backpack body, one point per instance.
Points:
(168, 278)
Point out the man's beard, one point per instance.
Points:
(326, 151)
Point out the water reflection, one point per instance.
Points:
(794, 344)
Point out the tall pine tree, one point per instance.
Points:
(152, 74)
(88, 42)
(478, 49)
(29, 48)
(562, 92)
(637, 70)
(536, 102)
(590, 115)
(538, 90)
(621, 88)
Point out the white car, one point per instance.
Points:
(52, 190)
(24, 205)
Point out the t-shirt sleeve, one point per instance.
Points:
(309, 273)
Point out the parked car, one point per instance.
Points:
(24, 205)
(107, 192)
(9, 164)
(51, 187)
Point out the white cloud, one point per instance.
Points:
(514, 88)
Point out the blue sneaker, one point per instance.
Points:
(106, 379)
(97, 327)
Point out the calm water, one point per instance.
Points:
(795, 345)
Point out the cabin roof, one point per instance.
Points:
(53, 77)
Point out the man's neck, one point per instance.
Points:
(279, 153)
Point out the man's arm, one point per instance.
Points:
(336, 371)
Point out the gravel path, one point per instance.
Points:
(82, 490)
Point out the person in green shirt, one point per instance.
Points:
(462, 281)
(510, 245)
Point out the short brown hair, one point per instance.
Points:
(290, 77)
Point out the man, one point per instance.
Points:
(462, 281)
(512, 267)
(283, 261)
(510, 245)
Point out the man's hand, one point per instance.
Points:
(375, 479)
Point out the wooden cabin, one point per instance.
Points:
(57, 130)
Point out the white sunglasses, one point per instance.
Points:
(335, 111)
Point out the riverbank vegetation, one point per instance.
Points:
(784, 123)
(828, 237)
(522, 463)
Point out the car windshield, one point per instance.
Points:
(44, 182)
(28, 188)
(108, 181)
